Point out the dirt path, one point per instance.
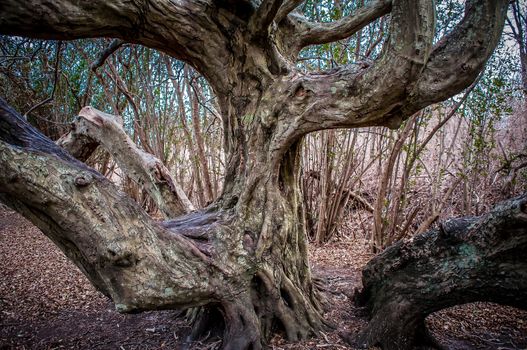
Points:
(46, 303)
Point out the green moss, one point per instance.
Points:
(169, 291)
(121, 307)
(467, 250)
(469, 256)
(248, 118)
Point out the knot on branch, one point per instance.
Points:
(83, 180)
(99, 118)
(302, 92)
(122, 258)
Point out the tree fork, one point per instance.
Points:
(464, 260)
(251, 241)
(127, 255)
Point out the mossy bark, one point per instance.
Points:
(245, 255)
(464, 260)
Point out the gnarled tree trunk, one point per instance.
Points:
(464, 260)
(246, 253)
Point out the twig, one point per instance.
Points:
(114, 46)
(50, 98)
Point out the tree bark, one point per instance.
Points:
(246, 254)
(217, 257)
(464, 260)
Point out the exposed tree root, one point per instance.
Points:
(247, 320)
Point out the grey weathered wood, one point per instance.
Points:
(94, 128)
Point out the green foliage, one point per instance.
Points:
(330, 55)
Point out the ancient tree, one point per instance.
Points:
(244, 256)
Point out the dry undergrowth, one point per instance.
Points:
(46, 303)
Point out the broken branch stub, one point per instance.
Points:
(95, 128)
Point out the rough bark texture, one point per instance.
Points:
(464, 260)
(205, 258)
(246, 255)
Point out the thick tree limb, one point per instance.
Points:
(113, 241)
(363, 95)
(287, 7)
(182, 29)
(457, 59)
(465, 260)
(69, 19)
(410, 75)
(321, 33)
(264, 16)
(94, 127)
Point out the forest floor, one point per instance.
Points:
(46, 303)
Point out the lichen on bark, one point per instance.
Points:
(244, 257)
